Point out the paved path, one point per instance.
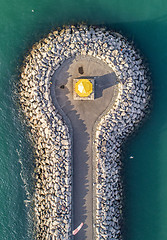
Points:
(83, 115)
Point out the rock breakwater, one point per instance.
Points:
(53, 138)
(111, 131)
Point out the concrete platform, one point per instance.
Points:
(83, 115)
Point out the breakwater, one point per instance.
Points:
(53, 138)
(110, 133)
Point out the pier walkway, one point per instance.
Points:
(83, 115)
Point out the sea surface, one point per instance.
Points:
(143, 22)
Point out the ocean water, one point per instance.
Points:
(142, 21)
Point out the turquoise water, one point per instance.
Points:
(142, 21)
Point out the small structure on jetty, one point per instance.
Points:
(48, 98)
(83, 89)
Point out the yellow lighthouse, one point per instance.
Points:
(83, 89)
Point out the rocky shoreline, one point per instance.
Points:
(52, 134)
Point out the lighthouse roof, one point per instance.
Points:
(83, 88)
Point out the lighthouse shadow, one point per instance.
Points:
(104, 82)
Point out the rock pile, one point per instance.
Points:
(53, 173)
(52, 137)
(111, 131)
